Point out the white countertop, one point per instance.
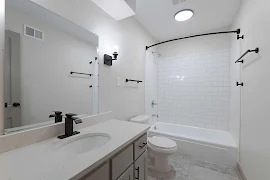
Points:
(44, 161)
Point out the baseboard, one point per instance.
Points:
(241, 172)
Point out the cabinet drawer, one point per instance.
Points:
(101, 173)
(121, 162)
(140, 146)
(128, 175)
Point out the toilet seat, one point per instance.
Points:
(162, 143)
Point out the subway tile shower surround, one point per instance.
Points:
(194, 89)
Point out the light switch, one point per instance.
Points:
(118, 82)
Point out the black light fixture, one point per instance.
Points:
(108, 59)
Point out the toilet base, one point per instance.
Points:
(162, 164)
(160, 149)
(161, 161)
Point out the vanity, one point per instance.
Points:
(128, 164)
(112, 150)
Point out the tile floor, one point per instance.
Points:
(186, 168)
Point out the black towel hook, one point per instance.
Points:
(239, 84)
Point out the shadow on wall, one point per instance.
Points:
(251, 60)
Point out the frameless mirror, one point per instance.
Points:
(51, 64)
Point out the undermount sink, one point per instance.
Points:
(85, 143)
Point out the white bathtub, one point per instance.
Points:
(209, 145)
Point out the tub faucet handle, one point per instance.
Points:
(153, 104)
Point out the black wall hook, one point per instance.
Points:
(239, 84)
(240, 37)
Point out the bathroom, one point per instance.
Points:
(134, 89)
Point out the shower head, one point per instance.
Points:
(156, 54)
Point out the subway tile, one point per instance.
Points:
(193, 86)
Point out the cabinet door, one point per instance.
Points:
(122, 162)
(103, 173)
(141, 167)
(128, 175)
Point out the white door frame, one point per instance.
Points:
(2, 45)
(12, 82)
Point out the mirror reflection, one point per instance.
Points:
(42, 50)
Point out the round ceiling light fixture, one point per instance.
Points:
(184, 15)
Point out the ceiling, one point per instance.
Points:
(157, 16)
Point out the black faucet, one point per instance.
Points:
(69, 126)
(57, 116)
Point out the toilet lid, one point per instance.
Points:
(162, 142)
(140, 119)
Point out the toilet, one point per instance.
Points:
(160, 148)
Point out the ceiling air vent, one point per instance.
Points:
(33, 32)
(176, 2)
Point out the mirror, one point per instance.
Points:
(51, 64)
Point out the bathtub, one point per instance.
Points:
(209, 145)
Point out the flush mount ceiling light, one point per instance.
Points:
(184, 15)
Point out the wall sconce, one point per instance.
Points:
(108, 59)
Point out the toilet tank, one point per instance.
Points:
(142, 119)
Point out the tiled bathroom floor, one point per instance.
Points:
(186, 168)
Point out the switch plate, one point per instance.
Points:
(118, 84)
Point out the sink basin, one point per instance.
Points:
(85, 143)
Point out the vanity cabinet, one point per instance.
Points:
(140, 166)
(128, 174)
(130, 163)
(122, 161)
(102, 173)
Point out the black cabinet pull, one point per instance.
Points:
(142, 146)
(138, 173)
(16, 104)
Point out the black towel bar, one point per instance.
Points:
(81, 73)
(248, 51)
(127, 80)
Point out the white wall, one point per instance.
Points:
(195, 45)
(193, 89)
(46, 83)
(2, 44)
(125, 102)
(254, 21)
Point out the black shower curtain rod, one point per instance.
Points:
(198, 35)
